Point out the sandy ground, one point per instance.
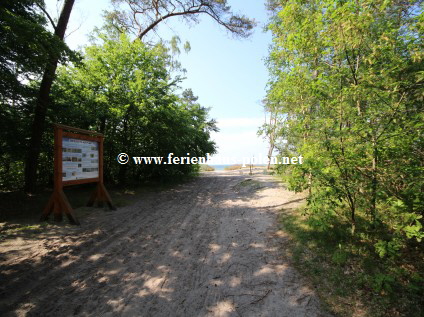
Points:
(207, 248)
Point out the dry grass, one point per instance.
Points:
(233, 167)
(206, 168)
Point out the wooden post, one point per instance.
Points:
(100, 195)
(58, 203)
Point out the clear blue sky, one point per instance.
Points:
(227, 74)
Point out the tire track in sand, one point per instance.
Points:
(201, 249)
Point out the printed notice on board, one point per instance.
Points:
(80, 159)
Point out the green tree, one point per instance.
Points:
(349, 77)
(124, 90)
(152, 12)
(25, 49)
(42, 100)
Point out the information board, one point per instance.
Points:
(80, 159)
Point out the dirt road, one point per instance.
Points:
(206, 248)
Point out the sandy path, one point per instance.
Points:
(206, 248)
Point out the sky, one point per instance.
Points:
(227, 74)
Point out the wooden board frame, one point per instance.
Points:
(58, 203)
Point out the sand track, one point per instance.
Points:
(207, 248)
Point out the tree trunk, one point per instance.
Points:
(272, 136)
(123, 167)
(42, 103)
(374, 183)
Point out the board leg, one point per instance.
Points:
(68, 209)
(101, 196)
(48, 209)
(59, 204)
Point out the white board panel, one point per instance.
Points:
(80, 159)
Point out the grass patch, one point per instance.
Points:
(350, 278)
(9, 230)
(233, 167)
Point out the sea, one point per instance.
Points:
(219, 167)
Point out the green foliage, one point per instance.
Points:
(340, 257)
(388, 248)
(187, 47)
(347, 89)
(404, 221)
(383, 282)
(349, 275)
(25, 48)
(119, 87)
(123, 89)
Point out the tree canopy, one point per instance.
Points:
(124, 90)
(25, 45)
(346, 92)
(25, 49)
(143, 16)
(347, 84)
(135, 103)
(118, 86)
